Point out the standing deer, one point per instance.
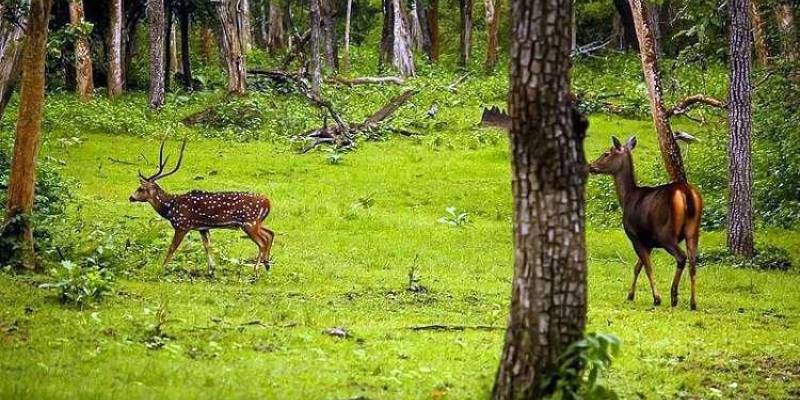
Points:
(203, 211)
(654, 217)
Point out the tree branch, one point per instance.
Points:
(683, 106)
(366, 80)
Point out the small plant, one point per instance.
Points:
(581, 366)
(365, 202)
(454, 218)
(764, 258)
(79, 285)
(335, 157)
(156, 336)
(414, 279)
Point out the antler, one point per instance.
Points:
(162, 162)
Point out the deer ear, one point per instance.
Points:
(631, 143)
(617, 144)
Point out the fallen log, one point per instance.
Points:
(366, 80)
(459, 328)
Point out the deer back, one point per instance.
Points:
(205, 210)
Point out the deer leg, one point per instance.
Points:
(636, 270)
(253, 231)
(644, 258)
(176, 241)
(680, 260)
(691, 248)
(204, 234)
(269, 238)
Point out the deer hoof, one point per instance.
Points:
(657, 301)
(693, 306)
(631, 296)
(674, 301)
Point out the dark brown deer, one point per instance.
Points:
(203, 211)
(654, 217)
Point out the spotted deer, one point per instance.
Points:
(654, 217)
(203, 211)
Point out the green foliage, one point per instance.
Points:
(765, 258)
(454, 217)
(80, 285)
(581, 366)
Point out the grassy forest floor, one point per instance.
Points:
(359, 246)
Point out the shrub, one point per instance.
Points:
(79, 285)
(765, 258)
(581, 366)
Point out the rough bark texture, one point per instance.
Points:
(759, 38)
(433, 24)
(784, 14)
(231, 28)
(548, 299)
(385, 53)
(465, 42)
(169, 47)
(114, 76)
(670, 152)
(244, 34)
(157, 31)
(316, 44)
(186, 62)
(740, 114)
(403, 53)
(424, 28)
(275, 38)
(346, 56)
(331, 40)
(628, 38)
(416, 28)
(12, 40)
(83, 57)
(28, 130)
(491, 7)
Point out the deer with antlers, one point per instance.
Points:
(203, 211)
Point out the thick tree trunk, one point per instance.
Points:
(205, 44)
(328, 17)
(83, 57)
(231, 29)
(22, 179)
(114, 75)
(157, 30)
(548, 297)
(275, 39)
(186, 62)
(670, 152)
(433, 24)
(784, 13)
(465, 42)
(385, 54)
(12, 41)
(424, 27)
(316, 44)
(492, 7)
(628, 38)
(403, 53)
(740, 116)
(759, 37)
(346, 55)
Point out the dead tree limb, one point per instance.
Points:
(366, 80)
(683, 106)
(445, 327)
(296, 49)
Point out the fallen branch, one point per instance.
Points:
(445, 327)
(454, 86)
(588, 49)
(296, 49)
(683, 106)
(366, 80)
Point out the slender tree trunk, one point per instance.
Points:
(328, 17)
(83, 57)
(784, 13)
(759, 38)
(186, 62)
(232, 27)
(346, 56)
(244, 35)
(316, 33)
(169, 48)
(12, 42)
(386, 54)
(465, 43)
(205, 44)
(156, 27)
(416, 27)
(670, 152)
(548, 297)
(491, 6)
(425, 27)
(433, 24)
(22, 179)
(275, 39)
(114, 76)
(403, 53)
(263, 17)
(740, 115)
(174, 65)
(628, 38)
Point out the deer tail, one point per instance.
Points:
(691, 207)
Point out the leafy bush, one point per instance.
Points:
(454, 218)
(765, 258)
(80, 285)
(581, 366)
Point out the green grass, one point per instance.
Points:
(338, 263)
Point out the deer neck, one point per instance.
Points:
(162, 202)
(625, 181)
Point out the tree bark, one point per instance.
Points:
(740, 115)
(231, 29)
(186, 62)
(433, 24)
(28, 130)
(261, 31)
(784, 13)
(759, 38)
(670, 152)
(548, 297)
(346, 55)
(386, 54)
(403, 53)
(83, 57)
(157, 30)
(628, 38)
(244, 35)
(169, 47)
(316, 33)
(416, 27)
(275, 39)
(114, 76)
(491, 7)
(205, 44)
(425, 28)
(12, 41)
(465, 43)
(328, 18)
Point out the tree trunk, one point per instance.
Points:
(670, 152)
(628, 38)
(548, 297)
(433, 24)
(491, 6)
(346, 56)
(244, 35)
(174, 66)
(205, 44)
(263, 17)
(231, 29)
(653, 12)
(740, 116)
(328, 18)
(83, 57)
(316, 33)
(759, 38)
(784, 13)
(169, 48)
(114, 75)
(416, 27)
(156, 27)
(424, 27)
(12, 41)
(186, 62)
(385, 54)
(275, 39)
(465, 43)
(403, 53)
(28, 130)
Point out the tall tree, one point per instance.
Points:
(186, 62)
(759, 37)
(157, 33)
(492, 7)
(465, 42)
(17, 225)
(548, 297)
(784, 13)
(12, 40)
(346, 55)
(740, 116)
(83, 56)
(385, 53)
(433, 24)
(205, 43)
(328, 18)
(275, 38)
(403, 53)
(422, 8)
(628, 38)
(170, 60)
(316, 44)
(244, 35)
(231, 30)
(114, 76)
